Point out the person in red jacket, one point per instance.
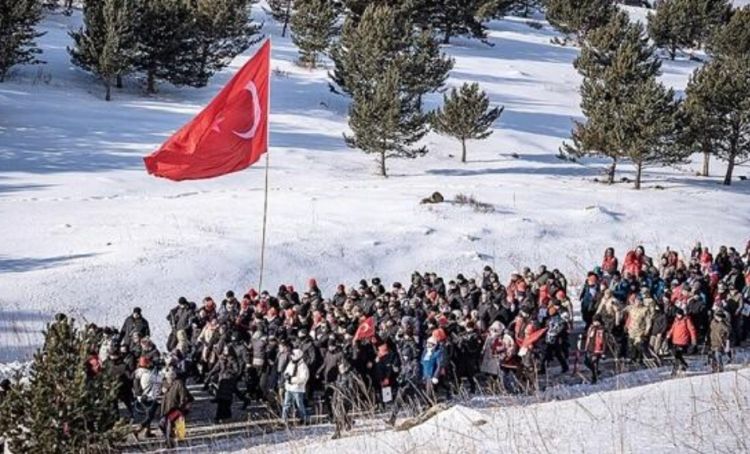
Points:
(682, 334)
(609, 263)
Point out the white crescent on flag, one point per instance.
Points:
(250, 133)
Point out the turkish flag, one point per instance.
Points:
(230, 134)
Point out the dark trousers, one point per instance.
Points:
(151, 407)
(556, 351)
(223, 409)
(592, 362)
(679, 360)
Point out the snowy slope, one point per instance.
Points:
(698, 414)
(86, 230)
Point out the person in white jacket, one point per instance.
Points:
(296, 375)
(147, 385)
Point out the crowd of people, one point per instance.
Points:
(391, 347)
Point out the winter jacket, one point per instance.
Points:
(146, 383)
(639, 322)
(682, 332)
(595, 340)
(387, 368)
(134, 325)
(180, 317)
(176, 397)
(410, 362)
(227, 371)
(328, 371)
(296, 375)
(432, 362)
(258, 347)
(719, 330)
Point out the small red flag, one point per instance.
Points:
(230, 134)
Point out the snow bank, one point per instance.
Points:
(701, 414)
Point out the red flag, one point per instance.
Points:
(230, 134)
(366, 329)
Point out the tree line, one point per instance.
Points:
(630, 114)
(183, 42)
(386, 57)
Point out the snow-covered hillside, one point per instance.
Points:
(86, 230)
(697, 414)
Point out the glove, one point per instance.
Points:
(434, 380)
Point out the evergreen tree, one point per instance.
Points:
(18, 19)
(164, 31)
(650, 124)
(65, 407)
(733, 39)
(459, 17)
(466, 115)
(679, 24)
(384, 116)
(576, 18)
(281, 11)
(426, 67)
(222, 30)
(619, 72)
(718, 106)
(313, 23)
(670, 26)
(362, 52)
(385, 121)
(102, 44)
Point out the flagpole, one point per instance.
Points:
(265, 192)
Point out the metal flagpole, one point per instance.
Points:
(265, 192)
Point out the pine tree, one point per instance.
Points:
(385, 121)
(459, 17)
(362, 52)
(578, 17)
(619, 72)
(679, 24)
(223, 30)
(466, 115)
(281, 11)
(670, 26)
(718, 105)
(63, 408)
(426, 67)
(733, 39)
(103, 44)
(650, 123)
(312, 24)
(364, 49)
(164, 32)
(18, 19)
(384, 116)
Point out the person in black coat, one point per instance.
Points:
(135, 323)
(344, 391)
(410, 378)
(226, 371)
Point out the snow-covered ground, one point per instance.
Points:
(85, 230)
(697, 414)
